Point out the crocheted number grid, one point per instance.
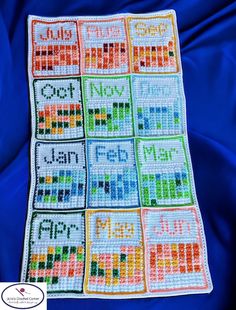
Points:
(112, 207)
(61, 176)
(59, 111)
(57, 251)
(115, 252)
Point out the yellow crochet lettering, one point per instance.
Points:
(114, 230)
(142, 29)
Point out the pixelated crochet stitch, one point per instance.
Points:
(112, 209)
(59, 112)
(153, 44)
(174, 254)
(113, 180)
(158, 105)
(165, 177)
(108, 106)
(115, 247)
(105, 46)
(55, 48)
(57, 252)
(60, 176)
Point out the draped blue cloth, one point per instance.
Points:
(207, 31)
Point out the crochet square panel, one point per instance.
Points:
(57, 251)
(112, 174)
(153, 44)
(164, 172)
(58, 108)
(55, 48)
(60, 176)
(158, 105)
(104, 46)
(108, 106)
(115, 251)
(174, 250)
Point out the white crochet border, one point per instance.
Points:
(175, 292)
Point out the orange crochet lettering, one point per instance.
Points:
(60, 34)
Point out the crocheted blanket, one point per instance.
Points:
(112, 211)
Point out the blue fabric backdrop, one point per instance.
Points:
(207, 32)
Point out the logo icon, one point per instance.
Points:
(22, 291)
(23, 295)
